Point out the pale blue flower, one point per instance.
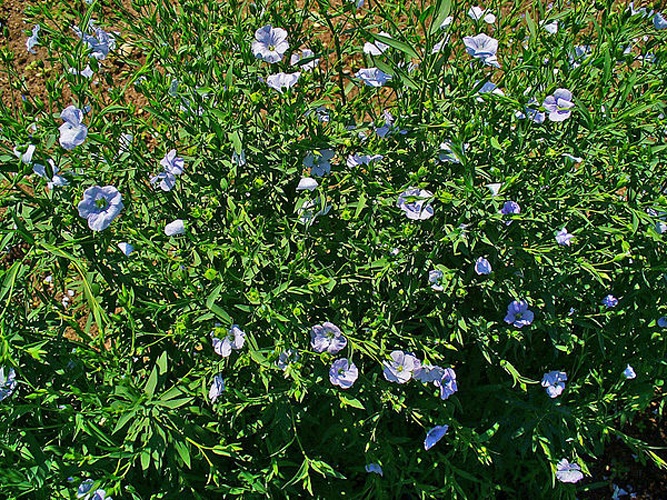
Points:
(100, 206)
(286, 358)
(559, 105)
(83, 491)
(126, 248)
(414, 202)
(447, 383)
(510, 208)
(551, 28)
(477, 13)
(282, 81)
(554, 383)
(488, 88)
(84, 487)
(446, 23)
(518, 314)
(53, 180)
(563, 237)
(217, 387)
(343, 373)
(308, 214)
(482, 266)
(482, 47)
(33, 40)
(373, 77)
(99, 44)
(305, 61)
(629, 373)
(642, 11)
(270, 44)
(435, 435)
(374, 468)
(173, 166)
(659, 22)
(307, 184)
(428, 374)
(376, 48)
(234, 339)
(27, 156)
(401, 367)
(662, 322)
(356, 160)
(175, 228)
(610, 301)
(7, 382)
(87, 72)
(319, 162)
(434, 277)
(73, 132)
(567, 472)
(327, 337)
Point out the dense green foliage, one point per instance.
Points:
(113, 382)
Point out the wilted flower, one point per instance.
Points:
(307, 183)
(641, 10)
(318, 161)
(83, 492)
(659, 22)
(567, 472)
(563, 237)
(477, 13)
(172, 166)
(401, 367)
(518, 314)
(239, 158)
(629, 372)
(286, 358)
(270, 44)
(343, 373)
(489, 88)
(355, 160)
(27, 156)
(283, 81)
(306, 54)
(32, 40)
(376, 48)
(126, 248)
(559, 105)
(100, 205)
(610, 301)
(446, 23)
(327, 337)
(234, 339)
(54, 180)
(73, 132)
(175, 228)
(375, 468)
(447, 153)
(482, 266)
(482, 47)
(99, 44)
(388, 126)
(447, 383)
(308, 214)
(494, 187)
(428, 374)
(554, 382)
(373, 77)
(217, 387)
(7, 382)
(414, 202)
(435, 435)
(434, 277)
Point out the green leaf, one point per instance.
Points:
(151, 384)
(354, 403)
(442, 10)
(402, 46)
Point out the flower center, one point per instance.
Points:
(101, 203)
(272, 48)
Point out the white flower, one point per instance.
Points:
(373, 77)
(270, 44)
(376, 48)
(307, 183)
(296, 59)
(477, 13)
(283, 81)
(33, 40)
(174, 228)
(126, 248)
